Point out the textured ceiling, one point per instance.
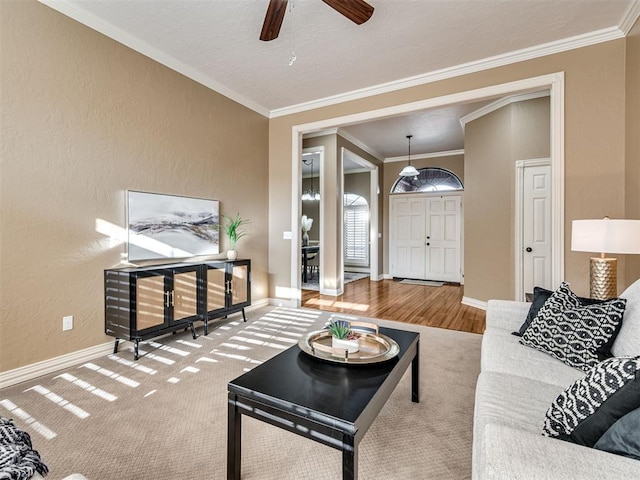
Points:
(215, 42)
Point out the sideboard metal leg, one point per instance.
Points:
(135, 348)
(243, 315)
(193, 331)
(115, 346)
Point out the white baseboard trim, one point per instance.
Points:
(331, 291)
(387, 276)
(279, 302)
(472, 302)
(264, 302)
(353, 268)
(35, 370)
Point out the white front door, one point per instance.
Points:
(536, 227)
(425, 237)
(443, 238)
(407, 234)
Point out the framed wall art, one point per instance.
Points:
(170, 226)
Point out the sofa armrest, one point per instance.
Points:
(506, 314)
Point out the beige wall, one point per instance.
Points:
(453, 163)
(594, 142)
(493, 143)
(359, 184)
(632, 164)
(83, 119)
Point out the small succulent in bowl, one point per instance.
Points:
(341, 329)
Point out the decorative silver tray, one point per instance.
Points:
(374, 346)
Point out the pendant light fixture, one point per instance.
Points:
(310, 194)
(409, 170)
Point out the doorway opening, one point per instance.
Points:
(553, 83)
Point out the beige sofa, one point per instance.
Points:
(516, 386)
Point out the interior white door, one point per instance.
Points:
(536, 227)
(443, 238)
(407, 235)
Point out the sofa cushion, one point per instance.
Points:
(627, 343)
(540, 296)
(574, 334)
(509, 412)
(591, 405)
(513, 401)
(622, 438)
(501, 352)
(506, 314)
(511, 454)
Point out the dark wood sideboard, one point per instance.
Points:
(145, 302)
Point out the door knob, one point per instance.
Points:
(529, 249)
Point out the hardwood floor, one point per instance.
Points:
(391, 300)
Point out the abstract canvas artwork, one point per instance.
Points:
(170, 226)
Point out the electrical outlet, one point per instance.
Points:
(67, 323)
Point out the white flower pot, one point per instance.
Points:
(351, 346)
(232, 254)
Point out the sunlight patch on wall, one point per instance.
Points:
(118, 236)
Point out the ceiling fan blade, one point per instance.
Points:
(358, 11)
(273, 20)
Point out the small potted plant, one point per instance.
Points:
(233, 230)
(342, 336)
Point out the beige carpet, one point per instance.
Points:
(165, 416)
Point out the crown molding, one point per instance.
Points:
(404, 158)
(503, 102)
(579, 41)
(119, 35)
(357, 170)
(350, 138)
(147, 50)
(321, 133)
(630, 17)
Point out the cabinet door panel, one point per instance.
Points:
(215, 289)
(185, 295)
(150, 302)
(240, 276)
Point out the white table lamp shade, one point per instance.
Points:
(606, 236)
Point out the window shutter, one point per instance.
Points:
(356, 234)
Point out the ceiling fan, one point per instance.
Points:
(358, 11)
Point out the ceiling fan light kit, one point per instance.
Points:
(358, 11)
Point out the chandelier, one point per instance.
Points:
(310, 194)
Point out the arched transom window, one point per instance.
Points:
(430, 179)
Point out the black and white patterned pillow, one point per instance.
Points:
(591, 405)
(572, 332)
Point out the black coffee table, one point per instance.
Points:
(330, 403)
